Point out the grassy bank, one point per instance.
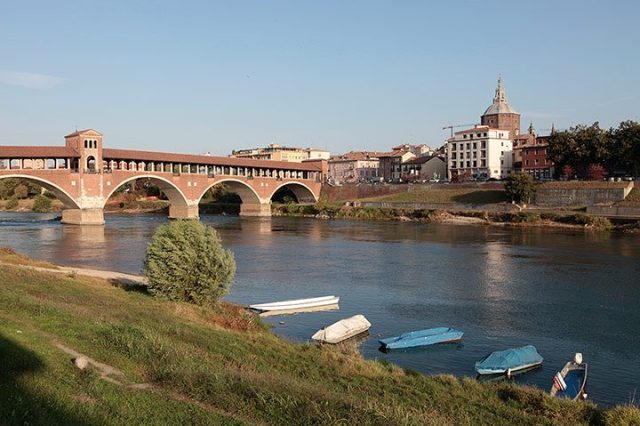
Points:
(446, 195)
(178, 364)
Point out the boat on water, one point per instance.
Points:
(571, 381)
(429, 336)
(296, 304)
(342, 330)
(510, 361)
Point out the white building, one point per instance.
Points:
(479, 153)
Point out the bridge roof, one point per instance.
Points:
(168, 157)
(38, 152)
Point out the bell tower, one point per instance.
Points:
(88, 143)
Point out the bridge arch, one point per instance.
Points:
(247, 194)
(303, 193)
(174, 194)
(67, 200)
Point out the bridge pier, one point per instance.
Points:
(256, 210)
(183, 212)
(83, 216)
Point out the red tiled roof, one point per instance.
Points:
(421, 160)
(38, 152)
(79, 132)
(357, 155)
(125, 154)
(392, 154)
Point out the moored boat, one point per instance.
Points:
(571, 381)
(292, 305)
(429, 336)
(342, 330)
(510, 361)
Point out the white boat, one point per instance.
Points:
(292, 305)
(342, 330)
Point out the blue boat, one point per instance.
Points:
(571, 381)
(430, 336)
(510, 361)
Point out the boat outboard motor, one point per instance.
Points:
(577, 358)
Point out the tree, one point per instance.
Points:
(41, 204)
(596, 172)
(185, 261)
(626, 141)
(520, 188)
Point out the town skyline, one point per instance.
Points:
(339, 77)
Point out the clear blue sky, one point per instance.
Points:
(213, 76)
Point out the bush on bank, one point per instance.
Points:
(185, 261)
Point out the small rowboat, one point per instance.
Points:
(342, 330)
(292, 305)
(571, 381)
(510, 361)
(430, 336)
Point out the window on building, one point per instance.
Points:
(464, 136)
(526, 163)
(485, 135)
(483, 163)
(467, 145)
(475, 145)
(475, 163)
(483, 153)
(483, 144)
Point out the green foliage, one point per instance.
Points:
(615, 149)
(185, 261)
(41, 204)
(520, 187)
(12, 204)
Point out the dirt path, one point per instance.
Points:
(119, 277)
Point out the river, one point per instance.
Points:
(562, 291)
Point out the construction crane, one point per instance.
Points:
(456, 126)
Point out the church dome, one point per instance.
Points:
(500, 103)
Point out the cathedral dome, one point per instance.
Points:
(500, 103)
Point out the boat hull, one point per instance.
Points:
(291, 305)
(342, 330)
(509, 361)
(426, 337)
(575, 377)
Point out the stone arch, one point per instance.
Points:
(303, 193)
(247, 194)
(67, 200)
(174, 194)
(91, 163)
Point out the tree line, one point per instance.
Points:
(593, 152)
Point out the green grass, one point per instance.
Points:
(219, 365)
(447, 196)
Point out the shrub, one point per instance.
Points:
(596, 172)
(21, 191)
(520, 187)
(185, 261)
(12, 204)
(41, 204)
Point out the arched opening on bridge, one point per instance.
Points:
(20, 192)
(293, 193)
(227, 197)
(91, 163)
(145, 194)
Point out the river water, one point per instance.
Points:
(562, 291)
